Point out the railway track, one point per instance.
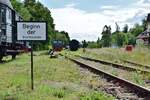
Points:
(131, 63)
(122, 89)
(128, 68)
(137, 64)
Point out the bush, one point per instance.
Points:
(94, 45)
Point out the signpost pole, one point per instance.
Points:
(32, 77)
(31, 31)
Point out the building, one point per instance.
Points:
(144, 37)
(7, 3)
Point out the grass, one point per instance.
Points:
(54, 79)
(137, 79)
(138, 55)
(115, 55)
(94, 96)
(114, 72)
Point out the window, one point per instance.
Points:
(9, 15)
(0, 16)
(3, 15)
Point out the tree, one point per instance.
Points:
(19, 7)
(136, 30)
(84, 44)
(63, 36)
(99, 44)
(66, 35)
(125, 28)
(92, 44)
(131, 39)
(106, 36)
(29, 2)
(38, 12)
(117, 27)
(144, 24)
(121, 39)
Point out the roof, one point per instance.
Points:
(6, 2)
(148, 17)
(143, 35)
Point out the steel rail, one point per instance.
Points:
(137, 64)
(115, 65)
(140, 91)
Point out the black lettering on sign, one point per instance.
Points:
(30, 32)
(32, 37)
(31, 27)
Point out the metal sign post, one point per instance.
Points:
(32, 77)
(31, 31)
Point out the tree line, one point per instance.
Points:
(36, 11)
(119, 38)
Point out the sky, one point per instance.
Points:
(85, 19)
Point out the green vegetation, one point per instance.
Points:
(119, 38)
(93, 45)
(138, 55)
(36, 11)
(94, 96)
(55, 79)
(114, 72)
(117, 55)
(137, 78)
(106, 36)
(127, 36)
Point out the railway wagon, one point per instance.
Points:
(8, 36)
(57, 45)
(74, 45)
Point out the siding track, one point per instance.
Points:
(124, 89)
(128, 68)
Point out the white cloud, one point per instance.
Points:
(71, 5)
(78, 23)
(86, 25)
(143, 1)
(109, 7)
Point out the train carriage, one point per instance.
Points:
(8, 36)
(57, 45)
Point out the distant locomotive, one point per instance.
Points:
(74, 45)
(57, 45)
(8, 36)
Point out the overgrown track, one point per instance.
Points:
(140, 91)
(136, 64)
(116, 65)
